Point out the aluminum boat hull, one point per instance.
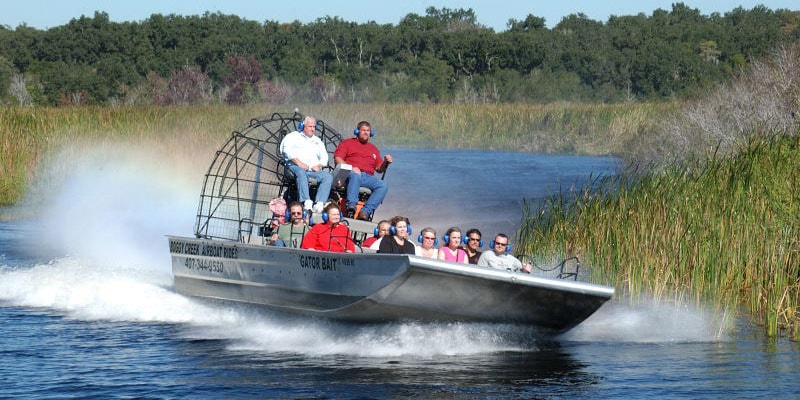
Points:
(368, 287)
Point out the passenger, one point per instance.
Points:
(472, 241)
(306, 156)
(364, 159)
(500, 259)
(381, 230)
(397, 243)
(452, 251)
(428, 240)
(330, 236)
(291, 233)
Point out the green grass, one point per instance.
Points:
(722, 230)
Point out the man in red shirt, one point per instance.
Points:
(365, 160)
(330, 236)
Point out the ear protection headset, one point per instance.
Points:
(465, 240)
(508, 246)
(393, 230)
(435, 240)
(446, 239)
(371, 131)
(289, 214)
(301, 125)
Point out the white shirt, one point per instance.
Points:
(309, 150)
(502, 261)
(418, 250)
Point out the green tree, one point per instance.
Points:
(445, 54)
(470, 53)
(64, 83)
(428, 80)
(524, 46)
(585, 50)
(531, 23)
(453, 19)
(20, 46)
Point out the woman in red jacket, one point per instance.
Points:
(330, 236)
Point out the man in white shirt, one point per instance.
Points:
(498, 258)
(306, 156)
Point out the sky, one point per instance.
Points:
(44, 14)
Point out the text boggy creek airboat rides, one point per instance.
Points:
(231, 258)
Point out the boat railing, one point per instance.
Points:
(564, 273)
(252, 232)
(568, 268)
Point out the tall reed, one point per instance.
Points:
(29, 135)
(551, 128)
(724, 230)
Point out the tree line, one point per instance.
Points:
(445, 55)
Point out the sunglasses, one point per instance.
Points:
(500, 244)
(429, 237)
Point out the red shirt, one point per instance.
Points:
(364, 156)
(369, 241)
(323, 237)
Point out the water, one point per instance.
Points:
(479, 189)
(87, 307)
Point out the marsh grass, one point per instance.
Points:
(31, 136)
(721, 230)
(552, 128)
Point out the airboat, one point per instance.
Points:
(231, 258)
